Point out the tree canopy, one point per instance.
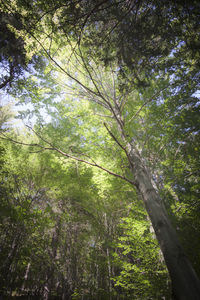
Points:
(100, 200)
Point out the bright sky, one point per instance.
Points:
(6, 99)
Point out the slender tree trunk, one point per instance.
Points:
(25, 277)
(108, 256)
(185, 283)
(46, 292)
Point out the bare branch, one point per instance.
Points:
(94, 81)
(119, 144)
(114, 87)
(63, 70)
(24, 144)
(104, 116)
(114, 138)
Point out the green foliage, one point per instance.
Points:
(138, 256)
(55, 221)
(108, 74)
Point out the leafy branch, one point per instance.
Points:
(53, 148)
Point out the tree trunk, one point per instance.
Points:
(25, 277)
(185, 283)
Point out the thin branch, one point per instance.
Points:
(38, 151)
(107, 104)
(47, 142)
(8, 79)
(93, 164)
(24, 144)
(94, 81)
(98, 81)
(84, 87)
(119, 121)
(123, 99)
(103, 116)
(93, 99)
(114, 87)
(145, 103)
(119, 144)
(114, 138)
(64, 71)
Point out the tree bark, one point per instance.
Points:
(25, 277)
(185, 283)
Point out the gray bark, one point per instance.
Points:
(26, 277)
(185, 283)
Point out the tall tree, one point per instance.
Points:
(126, 99)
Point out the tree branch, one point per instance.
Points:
(145, 103)
(118, 143)
(93, 164)
(114, 138)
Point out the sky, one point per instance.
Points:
(6, 99)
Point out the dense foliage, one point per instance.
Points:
(110, 157)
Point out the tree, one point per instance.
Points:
(174, 257)
(12, 52)
(57, 225)
(138, 256)
(114, 95)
